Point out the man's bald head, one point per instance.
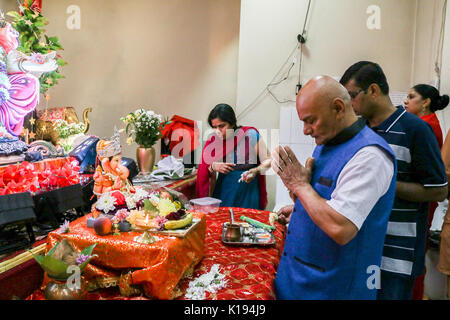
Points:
(323, 90)
(324, 106)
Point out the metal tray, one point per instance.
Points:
(249, 240)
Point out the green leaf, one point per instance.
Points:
(88, 250)
(53, 39)
(55, 269)
(39, 258)
(13, 14)
(52, 249)
(148, 206)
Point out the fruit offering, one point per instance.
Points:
(103, 226)
(179, 223)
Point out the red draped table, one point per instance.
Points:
(249, 271)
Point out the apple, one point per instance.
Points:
(103, 226)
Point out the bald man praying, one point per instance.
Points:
(343, 198)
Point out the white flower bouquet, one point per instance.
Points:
(143, 127)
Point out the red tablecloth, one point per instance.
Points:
(250, 271)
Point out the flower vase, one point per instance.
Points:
(146, 159)
(62, 290)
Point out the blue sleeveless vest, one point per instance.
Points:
(313, 265)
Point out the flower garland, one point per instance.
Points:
(210, 282)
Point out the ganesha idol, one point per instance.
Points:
(111, 175)
(19, 79)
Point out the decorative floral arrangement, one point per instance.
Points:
(67, 132)
(209, 282)
(63, 255)
(143, 127)
(27, 177)
(121, 215)
(162, 207)
(112, 202)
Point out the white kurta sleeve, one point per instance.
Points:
(362, 181)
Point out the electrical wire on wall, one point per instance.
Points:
(440, 49)
(301, 38)
(438, 62)
(299, 46)
(283, 79)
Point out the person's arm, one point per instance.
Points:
(221, 167)
(265, 162)
(445, 151)
(335, 225)
(264, 157)
(428, 170)
(284, 214)
(415, 192)
(365, 178)
(296, 178)
(212, 184)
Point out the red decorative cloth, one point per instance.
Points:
(23, 279)
(217, 153)
(39, 176)
(181, 130)
(249, 270)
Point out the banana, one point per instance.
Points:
(178, 224)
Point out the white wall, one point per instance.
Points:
(429, 18)
(445, 74)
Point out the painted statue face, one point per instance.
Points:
(115, 162)
(222, 128)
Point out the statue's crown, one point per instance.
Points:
(106, 149)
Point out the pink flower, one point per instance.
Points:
(161, 220)
(122, 214)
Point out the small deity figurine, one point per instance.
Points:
(111, 175)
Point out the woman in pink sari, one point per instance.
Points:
(234, 160)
